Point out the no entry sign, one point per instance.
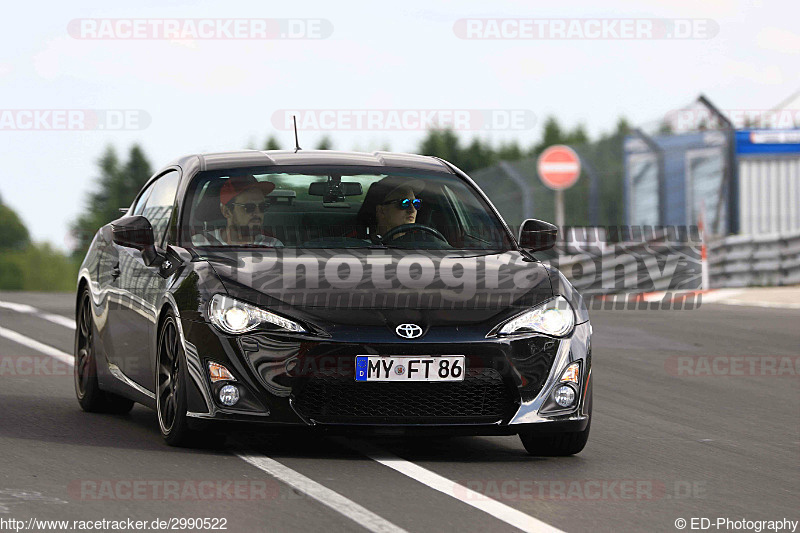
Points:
(559, 167)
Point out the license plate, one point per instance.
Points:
(410, 368)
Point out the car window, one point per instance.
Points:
(325, 207)
(139, 206)
(472, 216)
(158, 205)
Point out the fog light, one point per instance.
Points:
(564, 396)
(229, 395)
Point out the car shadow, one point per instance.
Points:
(52, 419)
(42, 419)
(314, 445)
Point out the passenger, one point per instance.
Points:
(243, 202)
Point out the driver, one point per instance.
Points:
(243, 202)
(397, 203)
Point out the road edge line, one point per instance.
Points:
(46, 349)
(499, 510)
(330, 498)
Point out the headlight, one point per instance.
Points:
(554, 317)
(232, 316)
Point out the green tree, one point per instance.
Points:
(272, 144)
(117, 187)
(665, 128)
(606, 155)
(13, 233)
(477, 155)
(14, 237)
(38, 267)
(325, 143)
(509, 152)
(551, 135)
(444, 144)
(28, 266)
(554, 134)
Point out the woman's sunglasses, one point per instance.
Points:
(250, 208)
(405, 203)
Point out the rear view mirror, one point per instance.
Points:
(335, 190)
(537, 235)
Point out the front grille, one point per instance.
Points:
(482, 397)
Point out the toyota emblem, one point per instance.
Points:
(408, 331)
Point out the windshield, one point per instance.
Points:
(324, 207)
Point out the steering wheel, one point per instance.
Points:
(402, 228)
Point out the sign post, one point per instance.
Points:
(559, 168)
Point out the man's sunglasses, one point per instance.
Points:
(250, 208)
(405, 203)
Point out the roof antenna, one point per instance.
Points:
(296, 142)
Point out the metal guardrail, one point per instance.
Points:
(742, 261)
(658, 264)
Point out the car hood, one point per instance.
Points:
(370, 284)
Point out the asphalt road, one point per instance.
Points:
(665, 444)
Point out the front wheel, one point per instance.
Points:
(171, 386)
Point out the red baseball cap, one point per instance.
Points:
(236, 185)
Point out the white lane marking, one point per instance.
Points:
(19, 308)
(30, 310)
(772, 305)
(358, 514)
(501, 511)
(60, 320)
(36, 345)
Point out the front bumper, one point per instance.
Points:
(295, 381)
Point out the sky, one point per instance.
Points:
(191, 95)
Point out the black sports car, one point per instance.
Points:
(341, 291)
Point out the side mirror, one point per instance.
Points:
(137, 233)
(537, 235)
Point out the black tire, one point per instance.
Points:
(171, 384)
(87, 389)
(555, 444)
